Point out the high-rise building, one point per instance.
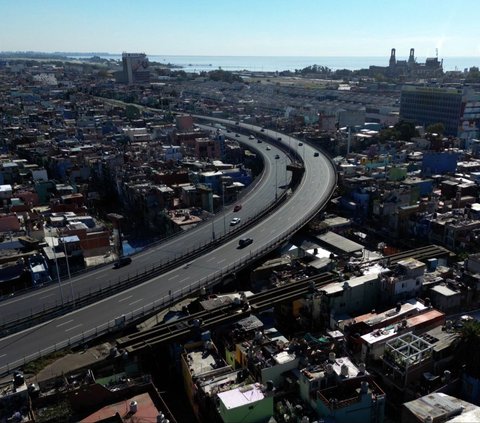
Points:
(457, 108)
(135, 69)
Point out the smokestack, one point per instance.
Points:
(411, 59)
(393, 60)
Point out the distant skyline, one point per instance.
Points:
(246, 28)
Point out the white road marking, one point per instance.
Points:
(211, 259)
(74, 327)
(46, 296)
(125, 299)
(3, 355)
(65, 323)
(221, 261)
(136, 301)
(184, 279)
(173, 277)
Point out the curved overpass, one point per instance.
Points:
(312, 193)
(35, 301)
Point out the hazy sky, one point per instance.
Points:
(243, 27)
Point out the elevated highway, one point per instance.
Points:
(185, 327)
(40, 304)
(82, 325)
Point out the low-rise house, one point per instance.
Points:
(352, 400)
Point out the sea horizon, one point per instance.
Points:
(262, 63)
(198, 63)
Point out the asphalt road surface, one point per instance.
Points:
(311, 195)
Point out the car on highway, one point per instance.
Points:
(279, 139)
(277, 156)
(316, 154)
(300, 144)
(262, 130)
(123, 261)
(237, 135)
(259, 141)
(251, 137)
(235, 221)
(237, 207)
(244, 242)
(268, 148)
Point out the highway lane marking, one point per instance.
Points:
(146, 252)
(221, 261)
(135, 302)
(184, 279)
(125, 299)
(3, 355)
(211, 259)
(46, 296)
(173, 277)
(65, 323)
(74, 327)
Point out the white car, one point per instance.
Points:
(268, 148)
(235, 221)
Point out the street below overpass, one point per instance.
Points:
(311, 195)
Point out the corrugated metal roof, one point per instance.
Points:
(339, 242)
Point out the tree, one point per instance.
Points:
(437, 128)
(132, 112)
(388, 134)
(469, 344)
(406, 130)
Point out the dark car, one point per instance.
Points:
(122, 262)
(244, 242)
(237, 207)
(316, 154)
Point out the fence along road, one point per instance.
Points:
(39, 305)
(107, 315)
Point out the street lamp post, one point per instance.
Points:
(56, 265)
(223, 209)
(213, 222)
(276, 177)
(68, 270)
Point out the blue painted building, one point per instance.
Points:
(439, 162)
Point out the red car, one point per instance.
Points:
(237, 208)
